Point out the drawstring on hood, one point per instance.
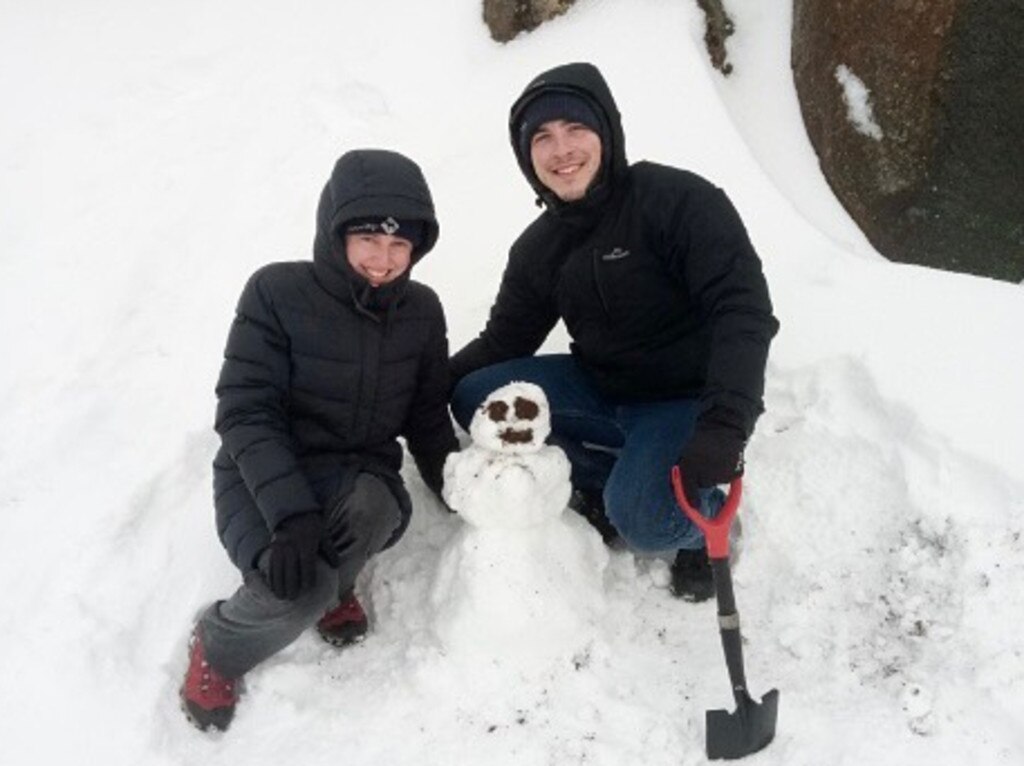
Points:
(372, 301)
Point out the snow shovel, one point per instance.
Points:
(752, 726)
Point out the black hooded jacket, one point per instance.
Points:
(652, 272)
(322, 373)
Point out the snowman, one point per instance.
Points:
(521, 579)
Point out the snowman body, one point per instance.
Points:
(521, 579)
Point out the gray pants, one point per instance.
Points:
(254, 624)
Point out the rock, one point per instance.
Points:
(916, 111)
(718, 28)
(507, 18)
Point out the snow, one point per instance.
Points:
(514, 418)
(511, 490)
(858, 103)
(155, 154)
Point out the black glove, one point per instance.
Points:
(431, 466)
(713, 456)
(294, 547)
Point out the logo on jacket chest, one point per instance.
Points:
(616, 254)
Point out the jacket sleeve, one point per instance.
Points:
(520, 320)
(252, 420)
(428, 429)
(713, 256)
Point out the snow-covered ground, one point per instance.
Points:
(153, 154)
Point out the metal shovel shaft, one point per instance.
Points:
(751, 727)
(729, 625)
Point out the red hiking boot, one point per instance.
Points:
(344, 624)
(207, 697)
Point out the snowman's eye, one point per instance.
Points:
(497, 411)
(526, 409)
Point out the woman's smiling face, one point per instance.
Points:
(376, 257)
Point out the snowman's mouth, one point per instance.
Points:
(515, 436)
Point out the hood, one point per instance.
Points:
(371, 182)
(584, 80)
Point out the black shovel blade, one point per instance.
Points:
(749, 729)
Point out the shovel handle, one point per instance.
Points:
(716, 530)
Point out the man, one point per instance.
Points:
(326, 364)
(663, 295)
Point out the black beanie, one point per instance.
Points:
(411, 229)
(555, 105)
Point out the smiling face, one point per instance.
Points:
(566, 157)
(376, 257)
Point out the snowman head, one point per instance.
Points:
(514, 419)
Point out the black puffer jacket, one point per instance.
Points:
(322, 373)
(652, 272)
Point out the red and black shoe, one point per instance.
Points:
(207, 698)
(344, 624)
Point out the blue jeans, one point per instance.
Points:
(625, 450)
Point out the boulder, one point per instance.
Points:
(916, 111)
(507, 18)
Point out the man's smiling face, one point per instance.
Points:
(566, 157)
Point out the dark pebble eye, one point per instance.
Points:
(497, 411)
(526, 409)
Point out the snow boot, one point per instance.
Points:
(344, 624)
(207, 698)
(590, 505)
(691, 571)
(691, 575)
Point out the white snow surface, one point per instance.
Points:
(154, 154)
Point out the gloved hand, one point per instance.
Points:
(294, 548)
(431, 466)
(713, 456)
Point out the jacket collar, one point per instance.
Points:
(333, 272)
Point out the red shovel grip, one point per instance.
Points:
(716, 530)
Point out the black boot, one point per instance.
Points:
(691, 575)
(590, 505)
(692, 579)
